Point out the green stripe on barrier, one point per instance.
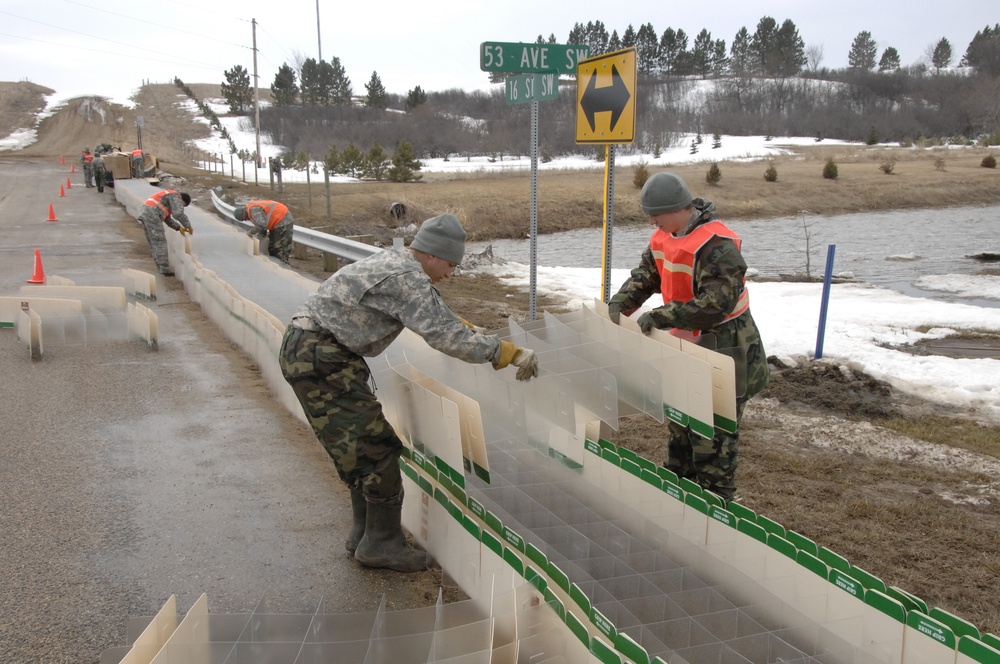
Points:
(703, 429)
(425, 485)
(650, 477)
(696, 502)
(742, 512)
(441, 497)
(577, 627)
(932, 628)
(690, 486)
(611, 457)
(477, 508)
(770, 525)
(782, 546)
(513, 539)
(647, 464)
(493, 521)
(724, 423)
(867, 579)
(631, 467)
(673, 491)
(626, 453)
(512, 559)
(536, 556)
(667, 475)
(605, 626)
(492, 542)
(801, 542)
(991, 640)
(959, 626)
(627, 646)
(472, 527)
(978, 650)
(847, 583)
(834, 560)
(592, 447)
(722, 516)
(603, 652)
(558, 576)
(554, 603)
(812, 563)
(887, 605)
(580, 598)
(676, 415)
(909, 600)
(752, 529)
(481, 473)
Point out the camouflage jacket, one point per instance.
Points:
(260, 220)
(367, 304)
(173, 202)
(719, 274)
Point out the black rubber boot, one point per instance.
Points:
(359, 506)
(385, 545)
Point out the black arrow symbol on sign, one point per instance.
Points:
(610, 98)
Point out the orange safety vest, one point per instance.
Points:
(87, 157)
(675, 257)
(156, 200)
(136, 153)
(274, 210)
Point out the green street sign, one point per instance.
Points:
(525, 88)
(538, 58)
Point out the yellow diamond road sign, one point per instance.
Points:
(605, 98)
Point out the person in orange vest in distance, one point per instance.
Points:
(137, 163)
(164, 207)
(87, 161)
(270, 219)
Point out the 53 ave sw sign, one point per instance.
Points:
(538, 58)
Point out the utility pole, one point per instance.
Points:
(256, 91)
(319, 40)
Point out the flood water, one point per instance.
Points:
(891, 249)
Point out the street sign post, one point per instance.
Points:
(520, 57)
(525, 88)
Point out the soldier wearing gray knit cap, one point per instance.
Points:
(357, 313)
(693, 263)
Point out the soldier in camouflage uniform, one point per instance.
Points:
(694, 262)
(164, 207)
(357, 313)
(271, 220)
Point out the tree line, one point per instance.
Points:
(764, 82)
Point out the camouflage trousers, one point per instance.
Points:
(279, 242)
(709, 463)
(153, 226)
(331, 383)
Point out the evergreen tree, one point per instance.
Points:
(332, 160)
(790, 50)
(647, 47)
(983, 51)
(341, 93)
(377, 97)
(414, 98)
(352, 161)
(628, 38)
(889, 60)
(285, 88)
(863, 50)
(941, 57)
(323, 89)
(310, 83)
(376, 162)
(236, 90)
(701, 53)
(404, 164)
(615, 42)
(763, 43)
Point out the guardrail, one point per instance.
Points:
(350, 250)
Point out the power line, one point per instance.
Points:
(159, 25)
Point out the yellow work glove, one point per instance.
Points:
(522, 358)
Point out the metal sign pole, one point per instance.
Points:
(609, 219)
(532, 292)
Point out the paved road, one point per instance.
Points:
(130, 475)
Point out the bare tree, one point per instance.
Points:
(814, 56)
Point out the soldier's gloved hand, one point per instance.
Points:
(190, 230)
(182, 230)
(527, 364)
(616, 307)
(646, 322)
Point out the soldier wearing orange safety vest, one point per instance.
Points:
(272, 220)
(694, 262)
(87, 161)
(138, 164)
(164, 207)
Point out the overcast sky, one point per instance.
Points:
(104, 47)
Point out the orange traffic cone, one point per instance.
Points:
(38, 277)
(62, 192)
(69, 185)
(72, 168)
(62, 159)
(52, 213)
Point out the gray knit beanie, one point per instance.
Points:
(664, 192)
(441, 236)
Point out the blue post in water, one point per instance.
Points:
(827, 278)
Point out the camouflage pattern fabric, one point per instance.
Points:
(331, 383)
(719, 274)
(366, 305)
(279, 242)
(151, 218)
(100, 173)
